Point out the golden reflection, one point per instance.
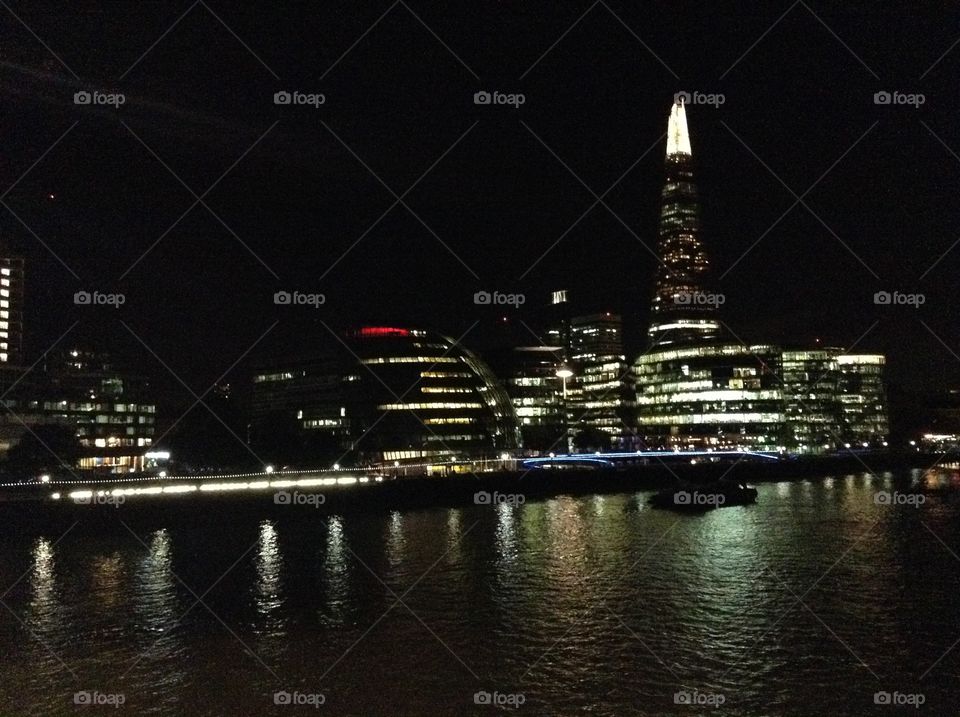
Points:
(108, 573)
(45, 604)
(269, 565)
(156, 603)
(507, 548)
(336, 572)
(396, 542)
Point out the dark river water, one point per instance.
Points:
(811, 602)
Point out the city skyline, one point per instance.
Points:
(788, 286)
(408, 357)
(685, 312)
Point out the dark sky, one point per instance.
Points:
(798, 82)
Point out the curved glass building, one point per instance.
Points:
(392, 394)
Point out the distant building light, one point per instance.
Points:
(158, 455)
(374, 331)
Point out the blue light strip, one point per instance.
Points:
(580, 458)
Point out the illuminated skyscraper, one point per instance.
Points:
(682, 311)
(601, 400)
(11, 309)
(695, 389)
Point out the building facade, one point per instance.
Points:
(696, 389)
(529, 376)
(110, 411)
(391, 394)
(602, 400)
(863, 399)
(682, 310)
(11, 309)
(721, 395)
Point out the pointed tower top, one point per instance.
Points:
(678, 139)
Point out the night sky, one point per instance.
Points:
(798, 82)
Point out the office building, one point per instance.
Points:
(391, 394)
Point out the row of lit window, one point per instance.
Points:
(409, 359)
(425, 406)
(116, 442)
(712, 418)
(447, 421)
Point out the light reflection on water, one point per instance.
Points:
(269, 564)
(335, 574)
(593, 603)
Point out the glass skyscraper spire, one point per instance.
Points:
(682, 311)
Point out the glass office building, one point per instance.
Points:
(696, 389)
(682, 310)
(711, 396)
(392, 394)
